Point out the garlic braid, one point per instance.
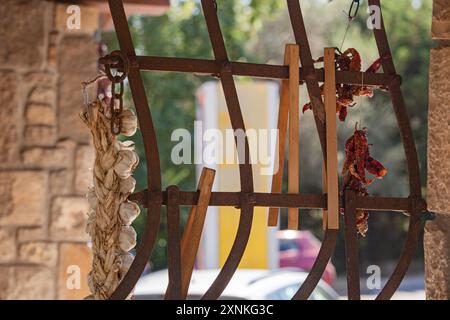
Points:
(111, 214)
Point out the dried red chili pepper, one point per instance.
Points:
(357, 162)
(349, 60)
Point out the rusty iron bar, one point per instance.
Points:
(321, 262)
(245, 167)
(412, 161)
(267, 71)
(405, 259)
(312, 85)
(173, 245)
(351, 247)
(147, 129)
(280, 200)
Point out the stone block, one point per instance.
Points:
(77, 64)
(438, 189)
(59, 157)
(68, 220)
(31, 234)
(42, 136)
(61, 182)
(440, 26)
(10, 117)
(27, 283)
(75, 262)
(40, 114)
(84, 162)
(42, 95)
(23, 195)
(7, 245)
(39, 78)
(437, 257)
(6, 279)
(23, 30)
(43, 253)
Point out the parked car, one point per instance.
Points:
(299, 249)
(246, 284)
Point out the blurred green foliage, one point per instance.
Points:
(256, 30)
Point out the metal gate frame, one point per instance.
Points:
(154, 197)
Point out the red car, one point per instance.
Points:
(299, 249)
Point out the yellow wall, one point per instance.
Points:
(255, 106)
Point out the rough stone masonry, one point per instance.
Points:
(45, 158)
(46, 155)
(437, 232)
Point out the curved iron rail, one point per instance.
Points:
(245, 168)
(147, 243)
(312, 84)
(323, 257)
(411, 160)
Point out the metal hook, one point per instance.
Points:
(353, 12)
(116, 60)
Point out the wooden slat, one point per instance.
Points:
(294, 105)
(191, 237)
(324, 189)
(277, 179)
(331, 161)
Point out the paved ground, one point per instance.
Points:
(412, 288)
(401, 295)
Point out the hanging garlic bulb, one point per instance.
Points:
(122, 145)
(129, 123)
(128, 211)
(127, 185)
(127, 238)
(126, 261)
(126, 162)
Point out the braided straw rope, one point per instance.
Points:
(111, 214)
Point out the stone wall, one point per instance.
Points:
(45, 153)
(437, 232)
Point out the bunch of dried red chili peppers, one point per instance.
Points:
(349, 60)
(357, 154)
(357, 162)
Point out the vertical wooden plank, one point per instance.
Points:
(192, 235)
(277, 179)
(294, 105)
(192, 213)
(351, 247)
(331, 161)
(324, 190)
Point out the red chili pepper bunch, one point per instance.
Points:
(349, 60)
(357, 162)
